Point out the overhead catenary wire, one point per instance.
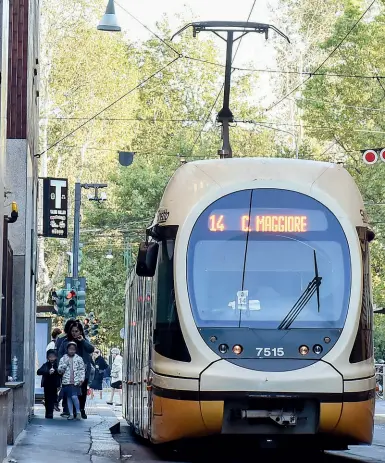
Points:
(144, 81)
(324, 61)
(180, 55)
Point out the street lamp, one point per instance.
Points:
(109, 21)
(109, 255)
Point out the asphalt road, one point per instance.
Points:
(134, 450)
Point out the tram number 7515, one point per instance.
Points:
(268, 352)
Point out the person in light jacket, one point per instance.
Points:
(72, 367)
(84, 350)
(116, 375)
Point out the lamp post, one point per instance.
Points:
(109, 21)
(78, 200)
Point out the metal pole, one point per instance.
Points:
(75, 250)
(225, 116)
(229, 60)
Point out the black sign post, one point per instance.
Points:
(55, 207)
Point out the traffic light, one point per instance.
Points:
(58, 298)
(81, 302)
(70, 304)
(94, 328)
(87, 326)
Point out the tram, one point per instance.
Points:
(250, 308)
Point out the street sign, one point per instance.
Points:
(55, 207)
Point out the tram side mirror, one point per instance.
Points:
(147, 258)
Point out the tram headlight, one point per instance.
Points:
(237, 349)
(317, 349)
(223, 348)
(303, 350)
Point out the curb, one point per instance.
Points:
(379, 419)
(103, 445)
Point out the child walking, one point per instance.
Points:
(50, 382)
(72, 367)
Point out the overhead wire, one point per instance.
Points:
(180, 55)
(149, 30)
(144, 81)
(324, 61)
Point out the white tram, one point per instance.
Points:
(253, 311)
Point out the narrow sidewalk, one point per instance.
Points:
(65, 441)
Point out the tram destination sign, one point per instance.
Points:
(55, 207)
(265, 221)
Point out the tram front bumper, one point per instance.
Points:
(304, 401)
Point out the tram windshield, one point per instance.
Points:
(252, 255)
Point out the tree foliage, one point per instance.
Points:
(342, 109)
(161, 119)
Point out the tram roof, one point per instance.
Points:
(194, 180)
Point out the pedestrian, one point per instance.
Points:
(84, 350)
(107, 376)
(54, 335)
(116, 375)
(62, 336)
(100, 366)
(50, 382)
(72, 368)
(59, 341)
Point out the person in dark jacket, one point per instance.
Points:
(61, 337)
(84, 350)
(100, 366)
(50, 382)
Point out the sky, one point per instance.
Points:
(253, 50)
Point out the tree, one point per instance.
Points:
(160, 118)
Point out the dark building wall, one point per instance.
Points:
(17, 69)
(22, 145)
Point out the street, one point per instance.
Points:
(91, 440)
(136, 450)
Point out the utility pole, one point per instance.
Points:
(75, 247)
(78, 203)
(225, 116)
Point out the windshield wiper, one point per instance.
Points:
(305, 297)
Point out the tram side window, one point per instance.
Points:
(168, 338)
(363, 345)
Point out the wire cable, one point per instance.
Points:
(325, 60)
(240, 40)
(149, 30)
(144, 81)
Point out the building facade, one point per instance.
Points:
(21, 98)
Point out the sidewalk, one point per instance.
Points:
(65, 441)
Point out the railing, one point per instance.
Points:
(380, 374)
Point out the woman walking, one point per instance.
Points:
(116, 375)
(84, 350)
(72, 368)
(100, 367)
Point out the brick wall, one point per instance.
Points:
(17, 71)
